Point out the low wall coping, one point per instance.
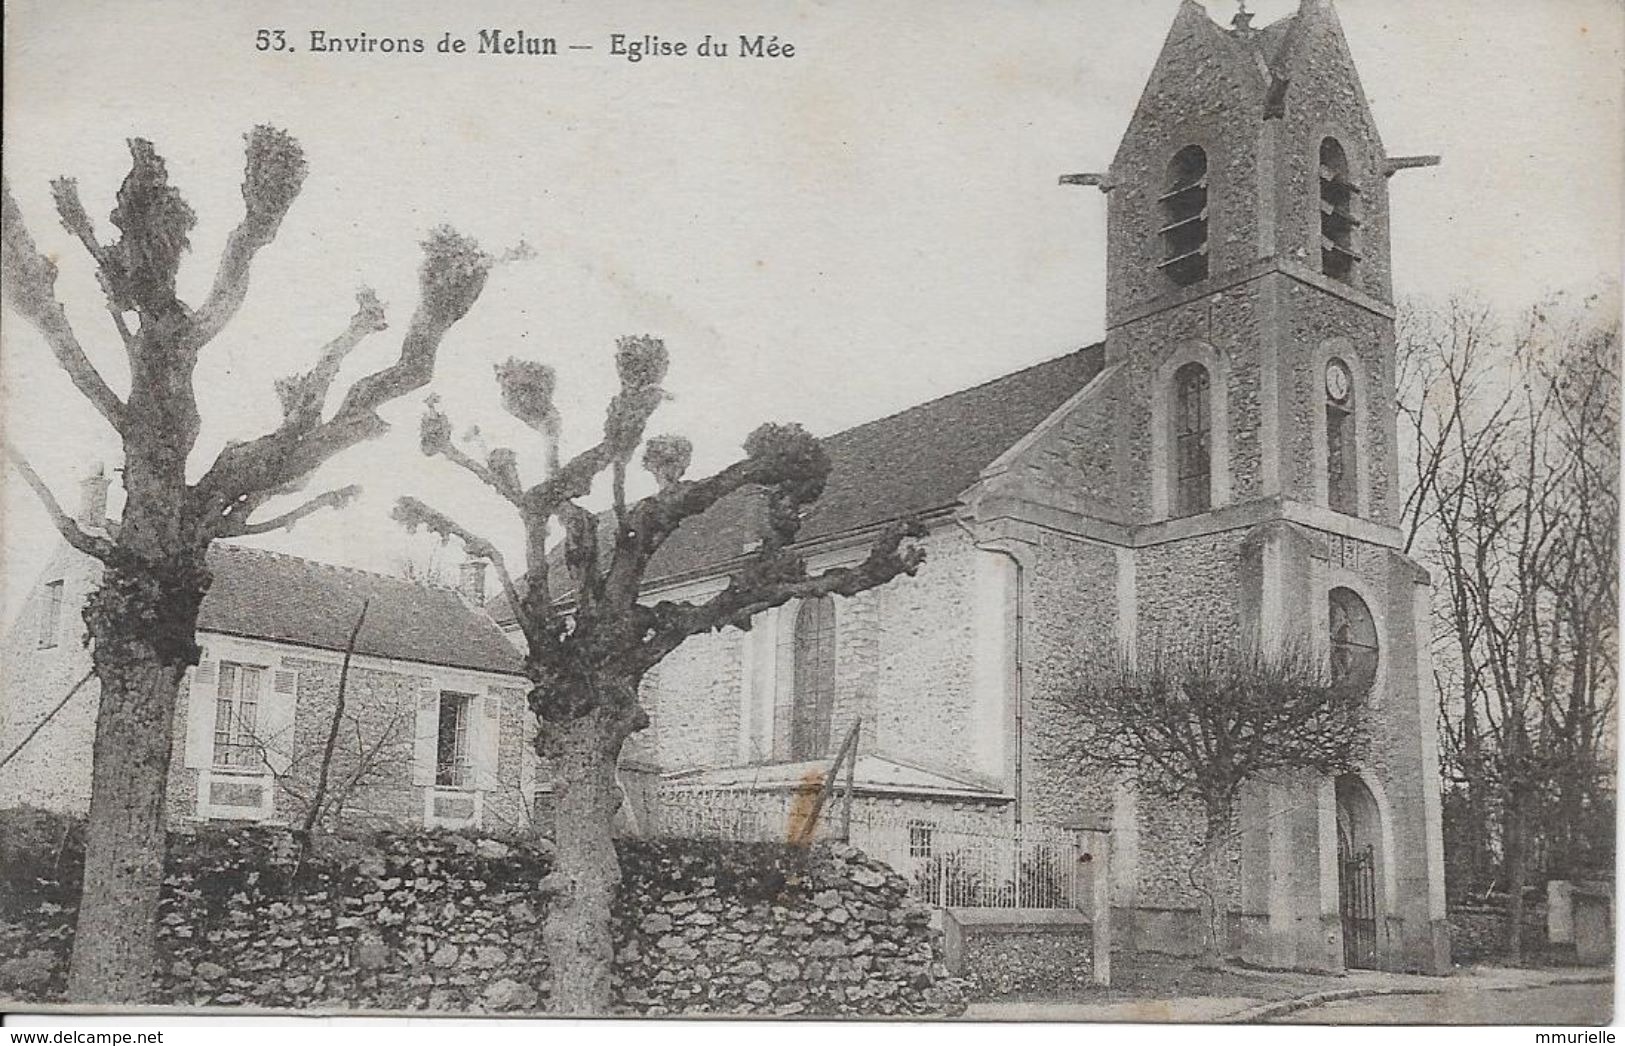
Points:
(1017, 920)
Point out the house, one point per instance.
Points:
(1224, 460)
(435, 731)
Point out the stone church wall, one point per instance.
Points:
(1309, 319)
(1206, 92)
(1234, 324)
(1325, 99)
(1073, 605)
(926, 703)
(694, 700)
(903, 661)
(1186, 587)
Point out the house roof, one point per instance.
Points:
(909, 463)
(286, 599)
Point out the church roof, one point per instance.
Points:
(286, 599)
(909, 463)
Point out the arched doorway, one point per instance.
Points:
(1359, 872)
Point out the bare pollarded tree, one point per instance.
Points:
(591, 639)
(142, 618)
(1197, 720)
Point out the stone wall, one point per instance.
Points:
(1005, 953)
(1479, 931)
(444, 922)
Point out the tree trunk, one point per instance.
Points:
(1516, 829)
(142, 619)
(1207, 877)
(1478, 815)
(115, 940)
(586, 872)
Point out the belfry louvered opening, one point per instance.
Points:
(1338, 220)
(1184, 217)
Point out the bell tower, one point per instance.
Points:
(1245, 417)
(1247, 227)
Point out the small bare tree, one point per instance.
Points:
(424, 566)
(1197, 721)
(591, 640)
(372, 747)
(142, 618)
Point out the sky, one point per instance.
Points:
(826, 238)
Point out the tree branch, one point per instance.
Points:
(332, 499)
(451, 278)
(273, 171)
(71, 211)
(527, 391)
(774, 580)
(29, 282)
(501, 475)
(412, 514)
(72, 533)
(304, 396)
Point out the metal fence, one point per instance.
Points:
(949, 866)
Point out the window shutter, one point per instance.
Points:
(425, 734)
(487, 721)
(201, 695)
(275, 729)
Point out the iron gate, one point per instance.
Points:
(1358, 888)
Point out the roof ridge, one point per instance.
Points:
(967, 389)
(341, 567)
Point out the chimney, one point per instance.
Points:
(93, 499)
(471, 581)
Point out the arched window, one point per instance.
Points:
(1341, 465)
(1353, 640)
(1184, 217)
(814, 696)
(1338, 220)
(1193, 427)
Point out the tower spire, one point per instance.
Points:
(1242, 23)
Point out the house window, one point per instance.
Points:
(236, 714)
(1353, 640)
(920, 838)
(1184, 217)
(451, 764)
(814, 697)
(1341, 464)
(1193, 429)
(1337, 213)
(50, 614)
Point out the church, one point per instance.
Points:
(1224, 460)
